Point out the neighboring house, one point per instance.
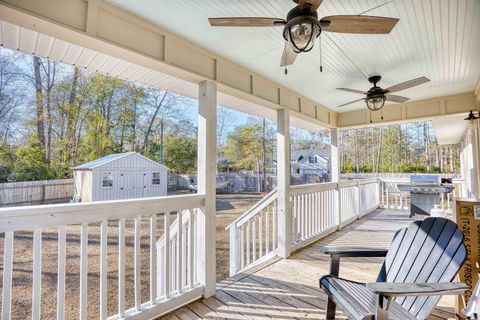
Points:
(119, 176)
(310, 162)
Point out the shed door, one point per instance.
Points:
(132, 184)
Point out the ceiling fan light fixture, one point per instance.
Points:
(375, 103)
(302, 29)
(471, 119)
(302, 36)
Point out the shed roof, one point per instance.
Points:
(110, 158)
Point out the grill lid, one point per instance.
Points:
(424, 179)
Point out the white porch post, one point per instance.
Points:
(283, 177)
(335, 172)
(207, 143)
(335, 155)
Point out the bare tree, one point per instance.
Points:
(39, 100)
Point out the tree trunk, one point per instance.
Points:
(39, 101)
(264, 158)
(50, 84)
(150, 125)
(161, 141)
(71, 115)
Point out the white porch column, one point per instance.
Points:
(334, 155)
(335, 172)
(207, 143)
(283, 183)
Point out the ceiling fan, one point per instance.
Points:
(302, 26)
(376, 96)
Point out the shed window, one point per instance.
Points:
(312, 159)
(155, 178)
(107, 179)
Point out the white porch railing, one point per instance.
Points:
(179, 276)
(392, 198)
(253, 235)
(316, 209)
(319, 209)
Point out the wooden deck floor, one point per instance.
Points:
(288, 288)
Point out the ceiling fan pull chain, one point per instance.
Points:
(320, 49)
(285, 62)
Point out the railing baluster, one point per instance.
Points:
(260, 234)
(153, 259)
(242, 247)
(184, 256)
(121, 267)
(37, 273)
(103, 269)
(312, 213)
(166, 258)
(191, 249)
(248, 242)
(136, 264)
(83, 270)
(274, 225)
(254, 240)
(315, 212)
(321, 214)
(61, 272)
(294, 218)
(267, 231)
(179, 252)
(7, 275)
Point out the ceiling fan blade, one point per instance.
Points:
(288, 56)
(246, 22)
(314, 3)
(358, 24)
(351, 90)
(408, 84)
(342, 105)
(395, 98)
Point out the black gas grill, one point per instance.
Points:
(425, 192)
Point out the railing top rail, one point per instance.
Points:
(298, 189)
(28, 217)
(301, 188)
(265, 201)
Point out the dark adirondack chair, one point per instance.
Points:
(419, 268)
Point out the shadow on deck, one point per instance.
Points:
(288, 288)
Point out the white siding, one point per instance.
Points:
(132, 178)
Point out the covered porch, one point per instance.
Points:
(160, 259)
(288, 288)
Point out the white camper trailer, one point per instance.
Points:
(119, 176)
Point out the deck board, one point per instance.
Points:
(288, 288)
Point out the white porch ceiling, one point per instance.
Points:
(434, 38)
(32, 42)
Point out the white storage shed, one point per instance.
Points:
(119, 176)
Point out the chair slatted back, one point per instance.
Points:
(431, 250)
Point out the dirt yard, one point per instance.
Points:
(229, 207)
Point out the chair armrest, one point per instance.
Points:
(353, 252)
(388, 289)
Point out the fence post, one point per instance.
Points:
(234, 250)
(43, 192)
